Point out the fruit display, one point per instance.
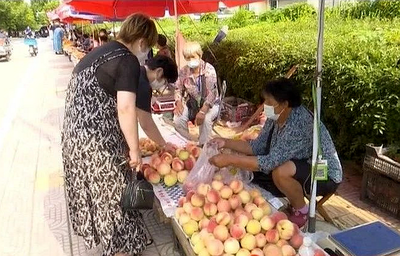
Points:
(227, 219)
(147, 147)
(170, 165)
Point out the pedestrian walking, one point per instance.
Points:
(100, 131)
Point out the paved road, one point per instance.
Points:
(33, 216)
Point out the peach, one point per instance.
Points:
(177, 164)
(182, 175)
(197, 214)
(210, 209)
(242, 220)
(257, 252)
(197, 200)
(213, 196)
(231, 245)
(221, 233)
(319, 252)
(181, 201)
(223, 218)
(195, 152)
(224, 206)
(272, 236)
(235, 202)
(238, 211)
(296, 241)
(267, 223)
(204, 252)
(253, 227)
(245, 196)
(281, 243)
(163, 168)
(248, 242)
(249, 207)
(144, 167)
(259, 200)
(285, 229)
(183, 154)
(217, 177)
(170, 179)
(203, 224)
(257, 213)
(236, 186)
(195, 238)
(255, 193)
(166, 158)
(189, 195)
(215, 247)
(154, 178)
(226, 192)
(190, 145)
(278, 216)
(179, 211)
(189, 163)
(187, 207)
(237, 231)
(190, 227)
(288, 250)
(296, 229)
(184, 218)
(155, 161)
(266, 208)
(272, 250)
(243, 252)
(148, 171)
(217, 185)
(203, 189)
(212, 224)
(261, 241)
(198, 247)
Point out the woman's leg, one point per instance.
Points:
(283, 177)
(181, 123)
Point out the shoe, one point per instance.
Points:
(298, 218)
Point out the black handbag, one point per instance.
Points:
(193, 105)
(138, 194)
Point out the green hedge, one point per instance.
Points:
(361, 85)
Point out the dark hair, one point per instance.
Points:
(168, 65)
(282, 90)
(162, 40)
(85, 35)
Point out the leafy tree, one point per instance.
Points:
(41, 7)
(16, 15)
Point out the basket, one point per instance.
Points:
(381, 181)
(236, 109)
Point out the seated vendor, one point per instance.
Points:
(281, 156)
(196, 94)
(156, 74)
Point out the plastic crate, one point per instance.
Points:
(381, 181)
(236, 109)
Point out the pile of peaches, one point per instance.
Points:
(226, 219)
(171, 165)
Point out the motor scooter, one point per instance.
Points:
(33, 47)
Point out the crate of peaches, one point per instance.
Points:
(227, 219)
(171, 164)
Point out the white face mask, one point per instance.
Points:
(269, 112)
(193, 64)
(155, 85)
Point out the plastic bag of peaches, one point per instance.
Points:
(203, 171)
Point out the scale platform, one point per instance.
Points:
(372, 239)
(163, 104)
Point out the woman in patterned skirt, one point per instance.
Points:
(100, 131)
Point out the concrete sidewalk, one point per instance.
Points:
(33, 216)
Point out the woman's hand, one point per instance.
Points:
(135, 159)
(220, 160)
(200, 118)
(221, 142)
(178, 108)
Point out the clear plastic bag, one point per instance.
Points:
(230, 173)
(203, 171)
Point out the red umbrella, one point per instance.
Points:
(155, 8)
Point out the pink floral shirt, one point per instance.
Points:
(187, 82)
